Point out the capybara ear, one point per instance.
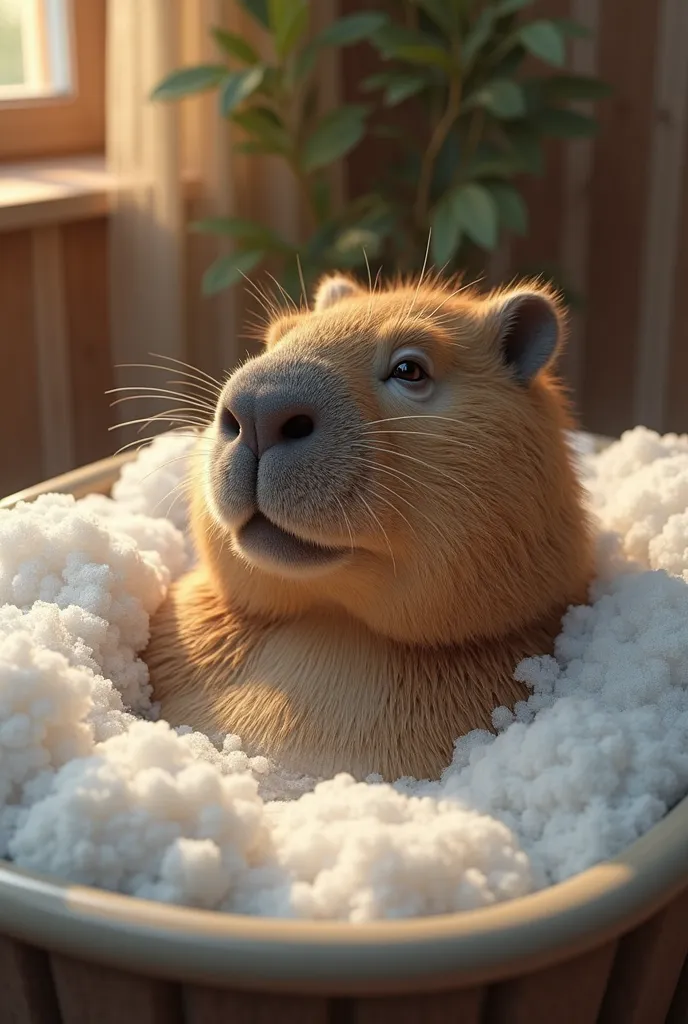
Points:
(529, 330)
(332, 289)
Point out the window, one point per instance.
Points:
(35, 58)
(52, 78)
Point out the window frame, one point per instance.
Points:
(65, 122)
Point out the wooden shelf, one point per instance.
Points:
(53, 191)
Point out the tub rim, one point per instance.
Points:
(420, 954)
(474, 947)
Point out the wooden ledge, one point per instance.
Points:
(53, 191)
(45, 192)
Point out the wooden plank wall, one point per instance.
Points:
(613, 214)
(53, 324)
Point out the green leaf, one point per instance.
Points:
(404, 87)
(510, 63)
(352, 29)
(379, 217)
(572, 28)
(526, 149)
(511, 208)
(478, 35)
(446, 164)
(544, 40)
(435, 56)
(238, 86)
(258, 9)
(506, 7)
(351, 243)
(566, 124)
(574, 87)
(534, 93)
(322, 198)
(265, 126)
(319, 241)
(336, 134)
(446, 232)
(236, 227)
(501, 97)
(441, 13)
(398, 85)
(490, 162)
(377, 81)
(304, 61)
(228, 269)
(234, 45)
(391, 39)
(493, 167)
(187, 81)
(476, 213)
(272, 82)
(288, 21)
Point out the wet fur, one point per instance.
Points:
(378, 665)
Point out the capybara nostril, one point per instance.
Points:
(276, 423)
(297, 427)
(229, 424)
(238, 420)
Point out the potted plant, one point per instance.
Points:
(460, 66)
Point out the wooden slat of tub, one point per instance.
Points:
(27, 995)
(570, 993)
(462, 1007)
(214, 1006)
(647, 968)
(90, 994)
(678, 1014)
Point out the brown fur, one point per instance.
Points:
(380, 663)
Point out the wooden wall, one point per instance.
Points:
(29, 292)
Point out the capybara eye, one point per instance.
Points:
(409, 371)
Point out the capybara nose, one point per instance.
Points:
(268, 420)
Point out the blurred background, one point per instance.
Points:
(153, 152)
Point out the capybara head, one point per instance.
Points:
(399, 455)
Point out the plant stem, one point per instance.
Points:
(290, 109)
(437, 140)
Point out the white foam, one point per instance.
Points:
(93, 792)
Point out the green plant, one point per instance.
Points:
(457, 68)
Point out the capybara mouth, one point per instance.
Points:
(270, 547)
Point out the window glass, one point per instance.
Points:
(34, 49)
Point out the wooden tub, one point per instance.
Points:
(610, 945)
